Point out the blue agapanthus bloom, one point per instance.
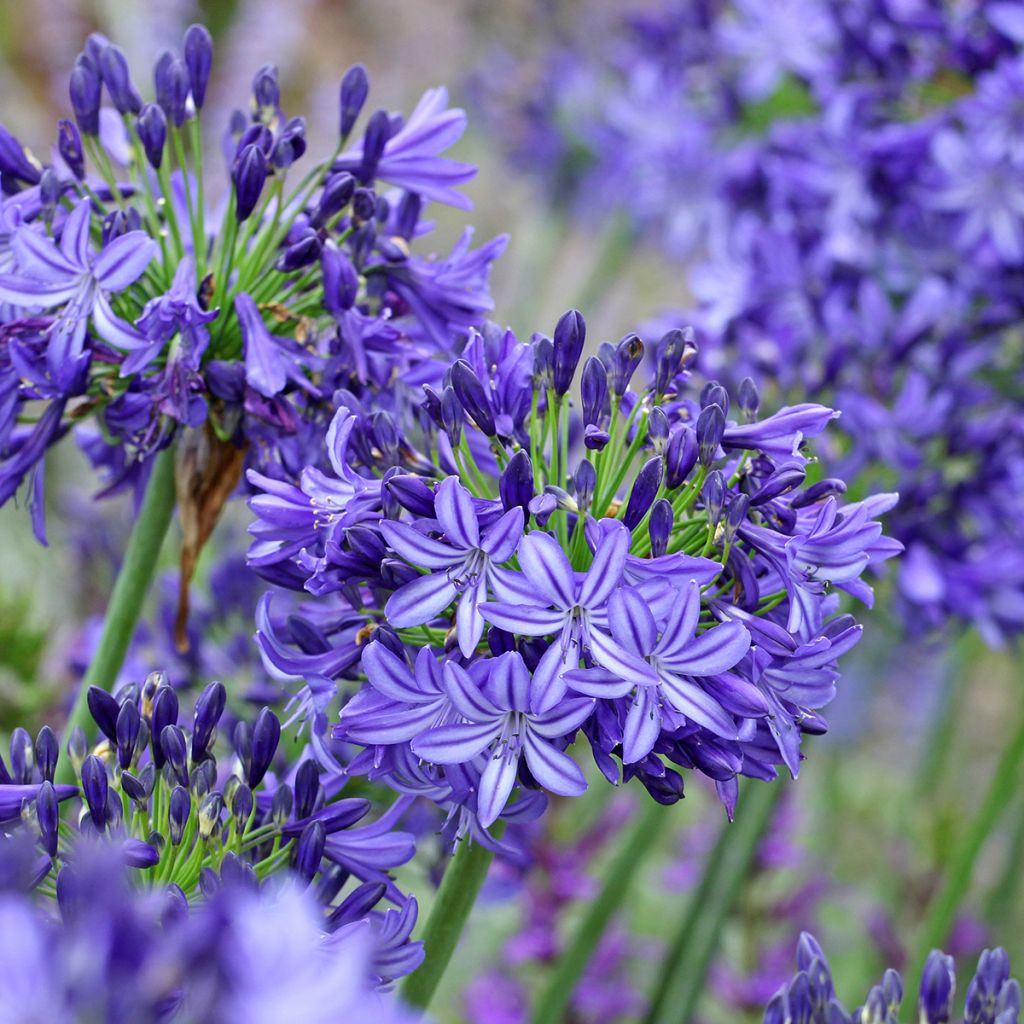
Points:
(992, 997)
(144, 295)
(188, 814)
(655, 574)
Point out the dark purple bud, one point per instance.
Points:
(290, 144)
(209, 708)
(713, 496)
(736, 516)
(211, 808)
(307, 789)
(266, 734)
(584, 483)
(152, 129)
(266, 92)
(69, 144)
(375, 138)
(710, 428)
(337, 194)
(310, 850)
(472, 396)
(48, 814)
(938, 982)
(242, 803)
(714, 394)
(135, 853)
(782, 481)
(255, 135)
(127, 729)
(303, 253)
(95, 787)
(645, 488)
(95, 44)
(408, 216)
(801, 1005)
(628, 354)
(104, 710)
(543, 361)
(412, 493)
(84, 89)
(364, 205)
(172, 89)
(892, 986)
(356, 905)
(594, 391)
(515, 486)
(666, 789)
(674, 351)
(281, 805)
(113, 67)
(657, 429)
(568, 341)
(199, 61)
(249, 178)
(595, 439)
(828, 488)
(134, 788)
(452, 416)
(50, 189)
(47, 752)
(660, 526)
(23, 756)
(175, 751)
(165, 712)
(749, 398)
(178, 813)
(355, 87)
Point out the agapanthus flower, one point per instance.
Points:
(144, 293)
(660, 585)
(992, 996)
(157, 796)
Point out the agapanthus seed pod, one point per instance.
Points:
(95, 786)
(199, 61)
(84, 89)
(209, 708)
(249, 178)
(355, 87)
(659, 526)
(113, 68)
(310, 850)
(69, 145)
(152, 129)
(266, 733)
(645, 488)
(710, 429)
(47, 752)
(48, 816)
(680, 456)
(568, 340)
(472, 396)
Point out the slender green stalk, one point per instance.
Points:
(462, 880)
(1002, 788)
(133, 580)
(617, 246)
(640, 841)
(725, 871)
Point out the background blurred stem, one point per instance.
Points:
(1002, 788)
(726, 868)
(455, 898)
(640, 841)
(616, 246)
(1002, 900)
(130, 587)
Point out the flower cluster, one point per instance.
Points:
(993, 997)
(844, 180)
(110, 951)
(139, 307)
(156, 795)
(654, 576)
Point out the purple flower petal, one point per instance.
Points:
(642, 727)
(605, 574)
(564, 719)
(124, 260)
(38, 257)
(420, 600)
(631, 621)
(469, 623)
(523, 619)
(23, 291)
(389, 675)
(501, 540)
(112, 329)
(467, 698)
(617, 659)
(496, 784)
(455, 513)
(547, 568)
(74, 240)
(689, 699)
(416, 547)
(555, 771)
(717, 650)
(509, 682)
(455, 744)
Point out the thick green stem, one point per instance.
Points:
(725, 871)
(1002, 788)
(640, 841)
(133, 581)
(462, 880)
